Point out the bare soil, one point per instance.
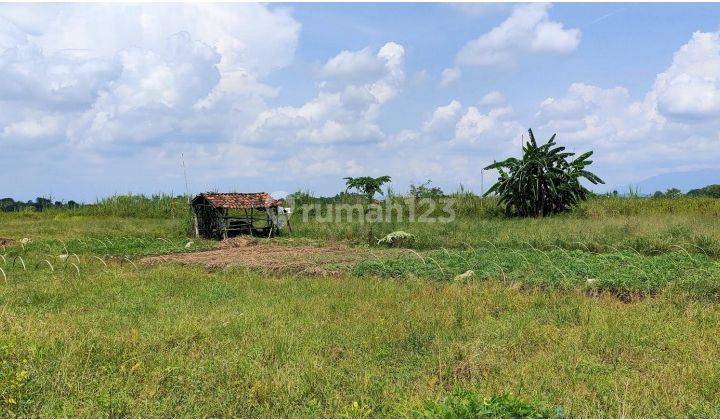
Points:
(7, 242)
(272, 257)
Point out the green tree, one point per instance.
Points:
(366, 185)
(543, 182)
(708, 191)
(669, 193)
(425, 190)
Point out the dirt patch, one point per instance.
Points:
(237, 242)
(315, 260)
(7, 242)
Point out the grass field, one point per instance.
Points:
(610, 311)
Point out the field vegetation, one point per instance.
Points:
(610, 310)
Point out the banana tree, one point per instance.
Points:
(544, 181)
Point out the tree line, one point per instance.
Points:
(40, 204)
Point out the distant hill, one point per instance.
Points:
(683, 181)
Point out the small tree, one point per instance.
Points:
(543, 182)
(366, 185)
(425, 190)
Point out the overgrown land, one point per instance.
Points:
(610, 310)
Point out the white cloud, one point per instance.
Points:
(248, 36)
(631, 139)
(35, 79)
(690, 87)
(451, 125)
(443, 117)
(166, 83)
(589, 114)
(347, 106)
(450, 75)
(493, 99)
(32, 128)
(131, 73)
(552, 38)
(527, 30)
(493, 130)
(354, 67)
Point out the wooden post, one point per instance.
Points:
(287, 219)
(195, 221)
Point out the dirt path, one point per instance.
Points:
(325, 261)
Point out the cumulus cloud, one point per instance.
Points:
(592, 114)
(630, 137)
(492, 99)
(119, 75)
(528, 30)
(443, 117)
(354, 67)
(453, 125)
(166, 83)
(495, 129)
(690, 87)
(355, 85)
(450, 75)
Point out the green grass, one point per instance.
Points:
(648, 235)
(100, 335)
(173, 341)
(464, 404)
(624, 274)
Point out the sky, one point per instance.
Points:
(102, 99)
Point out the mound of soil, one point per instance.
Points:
(323, 261)
(7, 242)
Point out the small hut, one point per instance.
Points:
(222, 215)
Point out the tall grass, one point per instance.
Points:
(465, 204)
(155, 207)
(605, 207)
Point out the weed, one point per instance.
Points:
(466, 404)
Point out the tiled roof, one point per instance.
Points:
(240, 200)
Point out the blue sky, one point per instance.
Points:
(280, 97)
